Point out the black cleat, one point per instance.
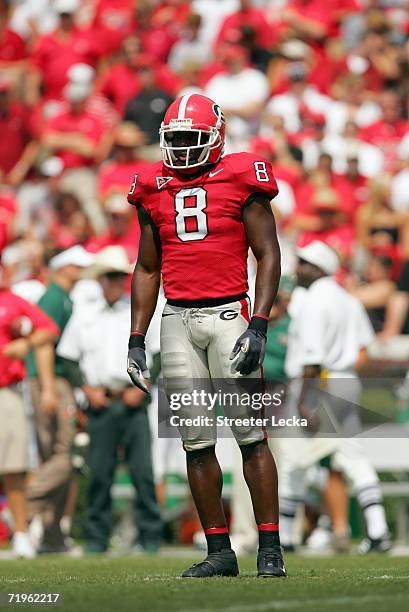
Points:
(223, 563)
(270, 563)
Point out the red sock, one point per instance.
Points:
(268, 535)
(217, 538)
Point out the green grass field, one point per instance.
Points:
(322, 584)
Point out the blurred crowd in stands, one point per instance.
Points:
(319, 88)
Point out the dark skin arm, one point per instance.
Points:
(146, 276)
(261, 234)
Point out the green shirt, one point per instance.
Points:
(56, 302)
(276, 349)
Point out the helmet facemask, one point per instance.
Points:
(187, 146)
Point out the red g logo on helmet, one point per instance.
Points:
(192, 133)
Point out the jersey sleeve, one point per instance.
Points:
(143, 187)
(136, 191)
(255, 175)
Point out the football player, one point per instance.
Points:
(199, 213)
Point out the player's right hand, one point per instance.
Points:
(137, 368)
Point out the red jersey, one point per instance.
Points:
(200, 224)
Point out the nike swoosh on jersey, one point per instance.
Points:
(211, 174)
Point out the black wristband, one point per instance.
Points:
(258, 324)
(136, 341)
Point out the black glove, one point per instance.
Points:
(250, 347)
(137, 368)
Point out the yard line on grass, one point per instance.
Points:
(287, 604)
(387, 578)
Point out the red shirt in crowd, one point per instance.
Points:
(121, 83)
(340, 238)
(54, 55)
(115, 176)
(171, 13)
(128, 241)
(290, 174)
(265, 36)
(386, 136)
(117, 16)
(326, 71)
(12, 47)
(158, 41)
(13, 307)
(15, 134)
(350, 195)
(340, 234)
(86, 124)
(353, 193)
(8, 209)
(114, 20)
(312, 10)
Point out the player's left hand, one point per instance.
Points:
(249, 351)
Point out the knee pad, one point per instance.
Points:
(198, 453)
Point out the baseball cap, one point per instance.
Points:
(81, 73)
(294, 49)
(320, 255)
(52, 166)
(77, 92)
(74, 256)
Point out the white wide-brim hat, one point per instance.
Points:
(110, 259)
(321, 255)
